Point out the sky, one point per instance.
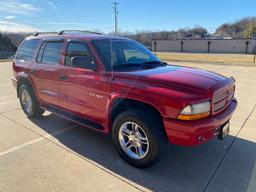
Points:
(98, 15)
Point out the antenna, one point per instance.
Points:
(115, 3)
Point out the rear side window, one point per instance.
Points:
(49, 53)
(27, 49)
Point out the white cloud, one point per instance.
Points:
(66, 23)
(9, 17)
(53, 5)
(17, 7)
(7, 26)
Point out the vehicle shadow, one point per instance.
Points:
(180, 169)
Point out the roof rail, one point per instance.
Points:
(77, 32)
(45, 33)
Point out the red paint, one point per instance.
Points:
(90, 94)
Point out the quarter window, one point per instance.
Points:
(27, 49)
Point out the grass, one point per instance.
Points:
(236, 59)
(5, 60)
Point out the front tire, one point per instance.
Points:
(28, 102)
(138, 137)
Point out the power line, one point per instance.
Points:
(115, 3)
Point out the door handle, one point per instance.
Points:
(63, 77)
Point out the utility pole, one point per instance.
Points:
(115, 3)
(254, 53)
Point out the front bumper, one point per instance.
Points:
(190, 133)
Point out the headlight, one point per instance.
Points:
(195, 111)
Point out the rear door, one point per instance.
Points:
(83, 91)
(45, 72)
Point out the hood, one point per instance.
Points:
(177, 76)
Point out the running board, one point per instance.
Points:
(73, 117)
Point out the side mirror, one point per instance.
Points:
(85, 62)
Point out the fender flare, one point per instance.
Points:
(116, 96)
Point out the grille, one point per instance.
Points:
(222, 99)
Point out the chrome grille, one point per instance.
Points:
(222, 99)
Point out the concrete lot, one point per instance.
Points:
(53, 154)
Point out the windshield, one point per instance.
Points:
(121, 54)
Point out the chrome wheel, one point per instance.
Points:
(26, 101)
(133, 140)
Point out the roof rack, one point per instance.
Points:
(45, 33)
(77, 32)
(66, 32)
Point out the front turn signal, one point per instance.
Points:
(187, 117)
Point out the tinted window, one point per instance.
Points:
(50, 53)
(133, 52)
(121, 53)
(27, 49)
(76, 49)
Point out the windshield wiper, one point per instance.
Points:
(155, 63)
(127, 65)
(144, 65)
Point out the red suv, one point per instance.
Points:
(115, 85)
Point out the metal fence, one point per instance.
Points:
(205, 45)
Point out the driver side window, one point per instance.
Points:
(76, 49)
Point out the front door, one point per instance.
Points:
(83, 90)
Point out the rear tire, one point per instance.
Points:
(139, 148)
(29, 102)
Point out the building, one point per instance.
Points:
(205, 45)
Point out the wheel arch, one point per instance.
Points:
(23, 80)
(120, 104)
